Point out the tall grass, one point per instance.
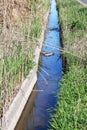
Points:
(71, 112)
(17, 51)
(36, 27)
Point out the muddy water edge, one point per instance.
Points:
(43, 99)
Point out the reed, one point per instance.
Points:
(17, 46)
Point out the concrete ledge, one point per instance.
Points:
(12, 116)
(82, 2)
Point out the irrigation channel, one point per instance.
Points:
(43, 99)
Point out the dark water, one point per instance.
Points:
(42, 101)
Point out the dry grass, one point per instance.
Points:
(20, 27)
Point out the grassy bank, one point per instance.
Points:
(71, 110)
(18, 43)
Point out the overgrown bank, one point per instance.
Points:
(71, 110)
(18, 42)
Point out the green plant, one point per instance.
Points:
(71, 112)
(17, 52)
(36, 27)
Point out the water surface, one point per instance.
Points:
(42, 102)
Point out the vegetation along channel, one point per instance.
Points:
(43, 100)
(59, 98)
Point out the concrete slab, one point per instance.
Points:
(84, 2)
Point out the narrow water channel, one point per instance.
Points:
(43, 99)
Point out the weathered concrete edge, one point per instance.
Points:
(12, 116)
(82, 3)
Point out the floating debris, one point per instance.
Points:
(47, 54)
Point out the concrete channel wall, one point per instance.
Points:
(83, 2)
(10, 119)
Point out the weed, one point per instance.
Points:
(71, 112)
(17, 49)
(36, 27)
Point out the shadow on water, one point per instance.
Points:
(27, 111)
(42, 102)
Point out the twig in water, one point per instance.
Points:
(43, 78)
(47, 54)
(44, 71)
(63, 51)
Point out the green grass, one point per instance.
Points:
(73, 19)
(71, 109)
(36, 27)
(16, 58)
(71, 112)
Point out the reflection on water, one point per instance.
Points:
(27, 111)
(43, 101)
